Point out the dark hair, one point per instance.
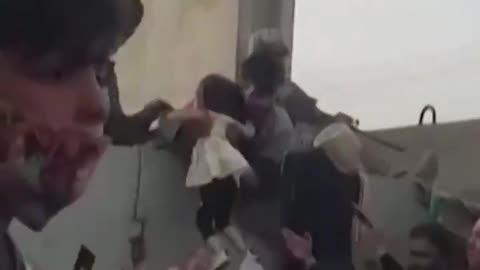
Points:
(264, 71)
(437, 235)
(135, 11)
(80, 31)
(276, 48)
(223, 96)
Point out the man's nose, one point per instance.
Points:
(91, 107)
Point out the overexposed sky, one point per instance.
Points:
(382, 60)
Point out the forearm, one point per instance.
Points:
(185, 115)
(247, 130)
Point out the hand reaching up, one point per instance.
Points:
(299, 245)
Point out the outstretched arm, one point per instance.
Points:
(152, 111)
(246, 130)
(195, 123)
(187, 114)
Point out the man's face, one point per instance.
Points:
(68, 112)
(423, 255)
(284, 60)
(258, 106)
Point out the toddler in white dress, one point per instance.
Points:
(216, 165)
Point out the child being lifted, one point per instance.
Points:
(216, 165)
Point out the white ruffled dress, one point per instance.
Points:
(213, 157)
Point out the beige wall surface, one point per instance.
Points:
(177, 43)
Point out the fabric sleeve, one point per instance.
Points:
(297, 103)
(301, 107)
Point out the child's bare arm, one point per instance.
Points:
(196, 123)
(246, 130)
(237, 132)
(185, 115)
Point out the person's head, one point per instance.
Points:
(263, 71)
(278, 50)
(431, 247)
(266, 75)
(222, 95)
(271, 40)
(473, 250)
(48, 53)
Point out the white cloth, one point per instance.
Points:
(342, 147)
(214, 156)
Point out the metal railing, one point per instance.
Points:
(431, 109)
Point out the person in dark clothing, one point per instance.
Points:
(320, 205)
(305, 194)
(274, 127)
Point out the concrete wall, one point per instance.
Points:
(101, 220)
(177, 43)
